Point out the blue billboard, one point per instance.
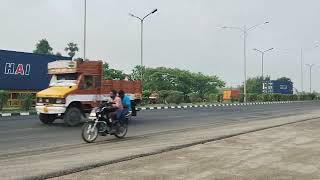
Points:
(25, 71)
(278, 87)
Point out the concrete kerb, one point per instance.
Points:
(169, 107)
(18, 114)
(214, 105)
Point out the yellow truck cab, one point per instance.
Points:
(75, 88)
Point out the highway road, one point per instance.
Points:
(26, 134)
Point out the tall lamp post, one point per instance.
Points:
(141, 23)
(245, 31)
(310, 69)
(301, 65)
(262, 58)
(85, 30)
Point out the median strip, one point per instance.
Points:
(169, 107)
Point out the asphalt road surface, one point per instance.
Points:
(23, 134)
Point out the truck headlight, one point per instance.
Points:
(60, 101)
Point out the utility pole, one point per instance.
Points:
(245, 31)
(141, 35)
(310, 69)
(262, 59)
(85, 30)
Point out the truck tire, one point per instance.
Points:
(73, 116)
(47, 118)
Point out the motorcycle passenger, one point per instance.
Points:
(126, 102)
(117, 104)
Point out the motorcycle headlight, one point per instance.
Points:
(60, 101)
(93, 114)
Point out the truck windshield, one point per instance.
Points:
(64, 80)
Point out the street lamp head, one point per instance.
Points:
(155, 10)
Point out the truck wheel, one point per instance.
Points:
(73, 116)
(47, 118)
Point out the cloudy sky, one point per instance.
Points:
(183, 33)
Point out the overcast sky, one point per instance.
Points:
(183, 33)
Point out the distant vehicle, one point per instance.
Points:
(75, 88)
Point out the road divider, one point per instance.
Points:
(171, 107)
(214, 105)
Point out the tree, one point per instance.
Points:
(4, 96)
(254, 85)
(71, 49)
(43, 47)
(110, 74)
(169, 79)
(136, 72)
(58, 54)
(284, 79)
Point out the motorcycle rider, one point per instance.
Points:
(117, 109)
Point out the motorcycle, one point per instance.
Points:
(100, 123)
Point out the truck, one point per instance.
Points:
(76, 87)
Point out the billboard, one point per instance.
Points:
(25, 71)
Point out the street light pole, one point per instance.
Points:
(245, 31)
(310, 69)
(301, 64)
(245, 62)
(262, 58)
(85, 30)
(141, 35)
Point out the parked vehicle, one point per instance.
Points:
(101, 123)
(76, 87)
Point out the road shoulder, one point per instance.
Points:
(73, 159)
(286, 152)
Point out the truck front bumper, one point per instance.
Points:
(43, 109)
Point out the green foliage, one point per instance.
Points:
(43, 47)
(307, 97)
(212, 97)
(161, 78)
(71, 49)
(111, 74)
(175, 97)
(58, 54)
(136, 73)
(26, 100)
(284, 79)
(4, 96)
(163, 96)
(146, 93)
(252, 97)
(194, 97)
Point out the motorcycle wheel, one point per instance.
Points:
(122, 130)
(89, 134)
